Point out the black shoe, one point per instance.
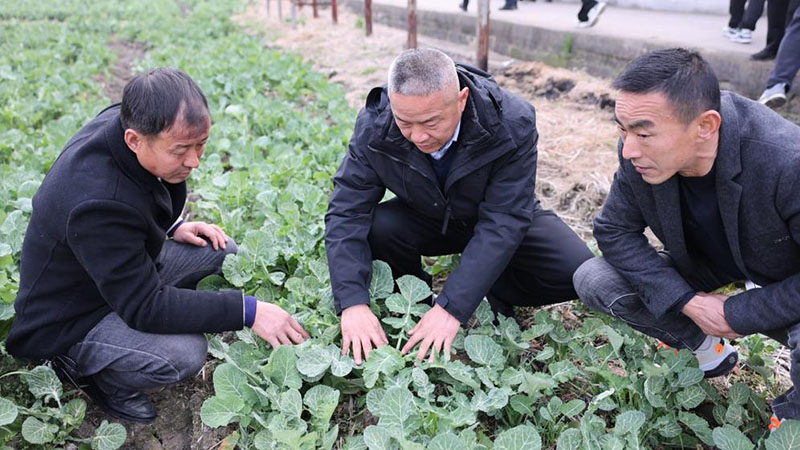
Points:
(508, 7)
(764, 55)
(463, 7)
(135, 407)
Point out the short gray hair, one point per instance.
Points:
(421, 72)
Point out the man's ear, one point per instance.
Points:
(708, 125)
(133, 139)
(463, 94)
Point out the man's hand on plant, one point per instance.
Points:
(362, 330)
(276, 326)
(193, 232)
(707, 311)
(436, 329)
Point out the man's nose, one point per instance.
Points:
(629, 149)
(192, 160)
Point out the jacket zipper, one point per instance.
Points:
(447, 210)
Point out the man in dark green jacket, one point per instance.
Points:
(101, 293)
(459, 153)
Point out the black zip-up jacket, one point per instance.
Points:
(490, 184)
(99, 221)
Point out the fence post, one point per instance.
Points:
(412, 23)
(267, 2)
(294, 14)
(334, 13)
(314, 8)
(482, 57)
(280, 10)
(368, 16)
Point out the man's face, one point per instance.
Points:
(429, 121)
(173, 153)
(657, 143)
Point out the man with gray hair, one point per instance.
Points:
(459, 154)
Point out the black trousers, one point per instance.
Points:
(539, 273)
(586, 6)
(746, 18)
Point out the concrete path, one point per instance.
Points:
(547, 32)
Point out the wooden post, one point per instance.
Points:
(267, 2)
(314, 8)
(412, 23)
(482, 57)
(280, 10)
(334, 13)
(368, 16)
(294, 14)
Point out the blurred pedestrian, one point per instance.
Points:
(743, 21)
(510, 4)
(464, 4)
(589, 13)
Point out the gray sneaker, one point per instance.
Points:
(774, 96)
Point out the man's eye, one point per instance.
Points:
(643, 136)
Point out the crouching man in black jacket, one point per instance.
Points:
(101, 293)
(459, 153)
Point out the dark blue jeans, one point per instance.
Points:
(603, 289)
(787, 62)
(121, 360)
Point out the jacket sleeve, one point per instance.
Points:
(619, 231)
(777, 305)
(356, 192)
(108, 239)
(504, 217)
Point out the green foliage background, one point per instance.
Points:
(280, 130)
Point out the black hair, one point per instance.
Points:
(151, 101)
(682, 75)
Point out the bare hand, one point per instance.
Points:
(190, 232)
(362, 329)
(437, 328)
(707, 311)
(276, 326)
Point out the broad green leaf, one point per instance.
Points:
(413, 289)
(282, 368)
(785, 437)
(355, 443)
(220, 411)
(668, 427)
(729, 438)
(611, 442)
(8, 411)
(329, 438)
(385, 360)
(263, 440)
(341, 365)
(446, 441)
(522, 437)
(546, 353)
(483, 314)
(537, 382)
(422, 383)
(378, 438)
(321, 401)
(522, 404)
(230, 382)
(652, 391)
(487, 402)
(614, 338)
(734, 415)
(397, 407)
(738, 394)
(690, 397)
(462, 373)
(314, 361)
(562, 371)
(484, 350)
(536, 330)
(698, 425)
(382, 283)
(689, 376)
(235, 272)
(109, 436)
(76, 408)
(43, 383)
(573, 407)
(629, 422)
(37, 432)
(569, 440)
(291, 403)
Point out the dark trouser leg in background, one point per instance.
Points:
(736, 10)
(787, 405)
(539, 273)
(753, 12)
(122, 361)
(788, 61)
(586, 5)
